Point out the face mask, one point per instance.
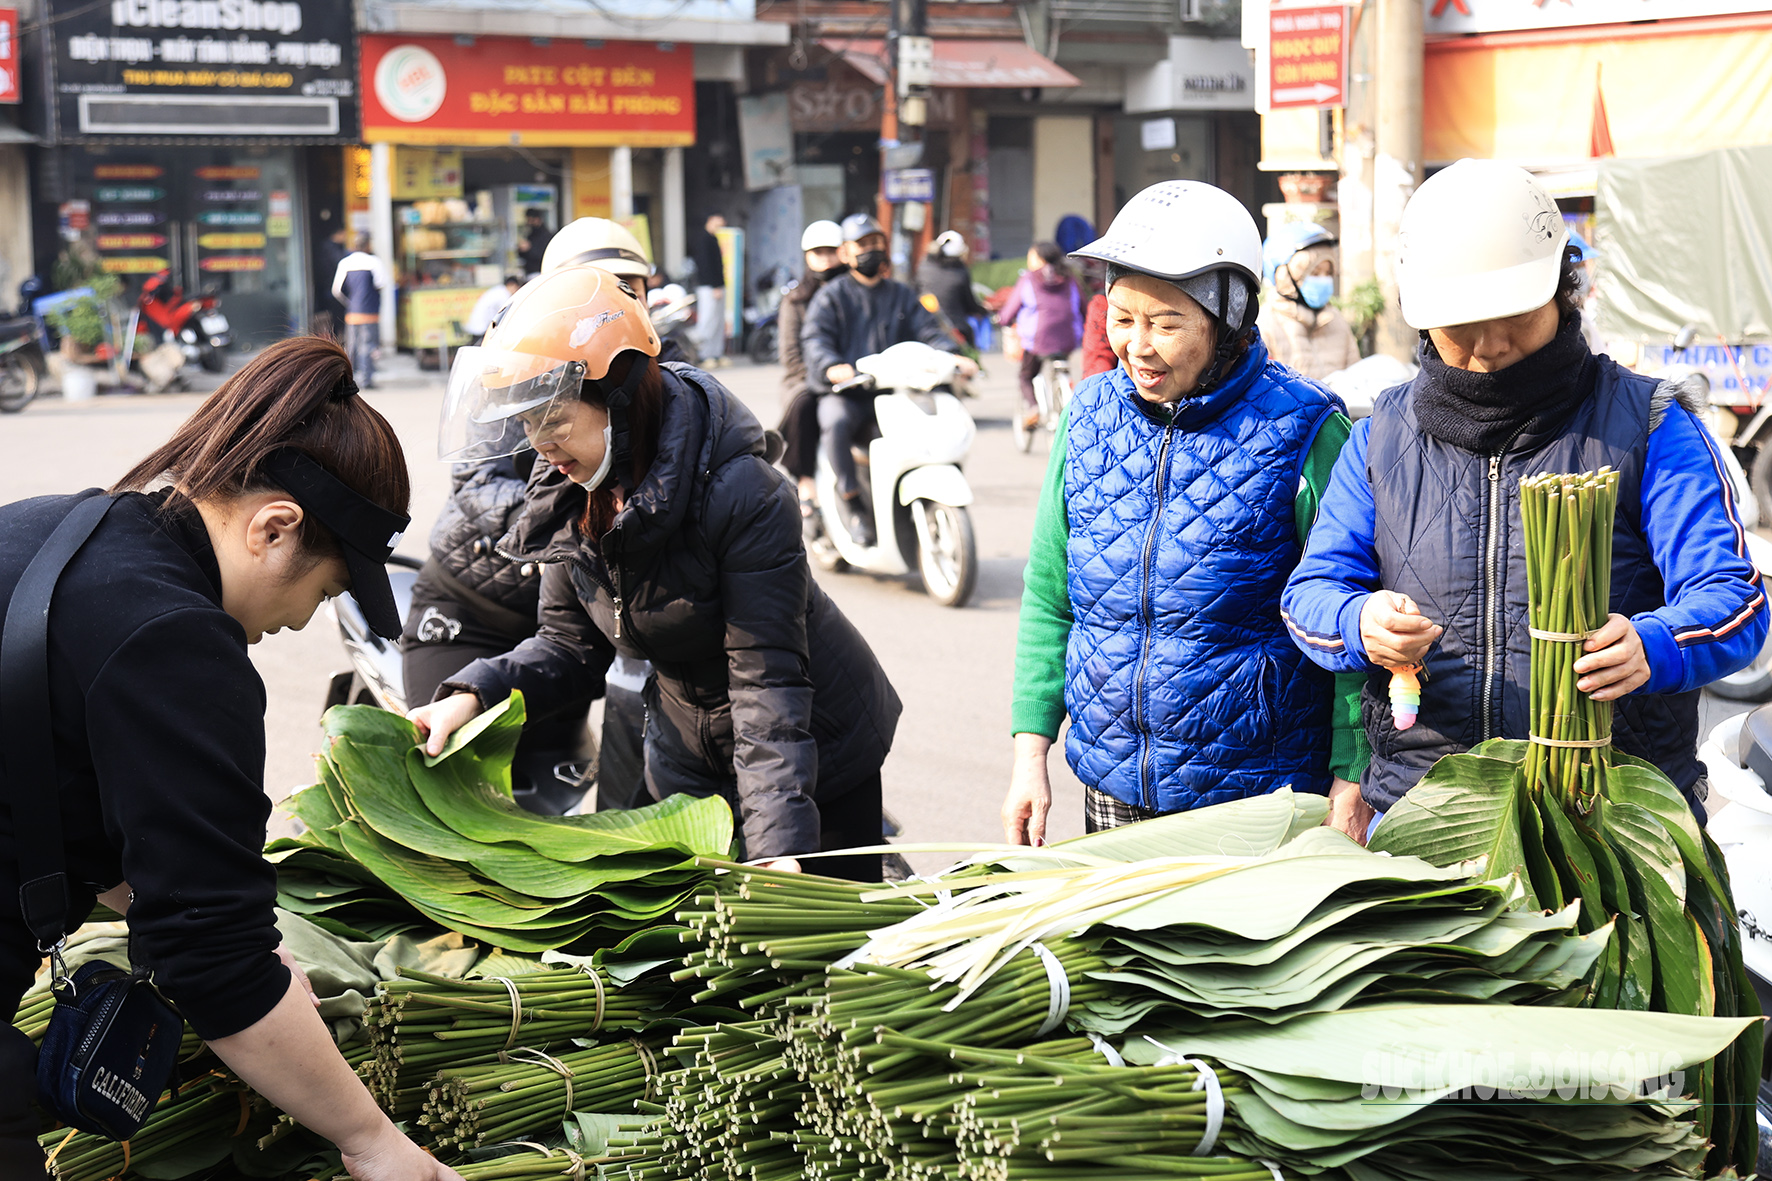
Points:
(870, 263)
(595, 480)
(1314, 291)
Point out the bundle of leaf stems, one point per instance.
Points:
(470, 1106)
(209, 1108)
(760, 932)
(526, 1163)
(423, 1022)
(1567, 522)
(734, 1103)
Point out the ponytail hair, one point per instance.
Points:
(297, 393)
(1053, 255)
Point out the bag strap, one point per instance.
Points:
(31, 790)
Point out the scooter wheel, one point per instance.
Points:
(824, 553)
(1024, 435)
(19, 383)
(1753, 683)
(949, 562)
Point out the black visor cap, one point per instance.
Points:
(367, 533)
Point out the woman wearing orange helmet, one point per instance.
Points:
(666, 535)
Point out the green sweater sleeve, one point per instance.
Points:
(1349, 751)
(1045, 628)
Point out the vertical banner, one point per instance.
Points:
(9, 55)
(1307, 57)
(732, 253)
(768, 139)
(590, 183)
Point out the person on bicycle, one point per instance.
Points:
(1181, 487)
(856, 315)
(1046, 309)
(1301, 328)
(666, 534)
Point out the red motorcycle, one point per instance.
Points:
(196, 325)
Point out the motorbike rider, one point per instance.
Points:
(945, 275)
(1180, 489)
(1418, 558)
(1301, 327)
(284, 489)
(470, 601)
(667, 534)
(856, 315)
(822, 244)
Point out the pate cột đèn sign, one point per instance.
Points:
(513, 90)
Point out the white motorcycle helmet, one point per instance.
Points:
(598, 242)
(822, 235)
(1479, 240)
(1199, 238)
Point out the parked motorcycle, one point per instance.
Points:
(910, 475)
(552, 782)
(21, 363)
(196, 325)
(672, 308)
(763, 318)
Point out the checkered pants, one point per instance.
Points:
(1102, 811)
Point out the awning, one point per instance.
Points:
(1006, 65)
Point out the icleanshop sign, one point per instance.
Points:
(9, 55)
(200, 70)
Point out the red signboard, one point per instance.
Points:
(1307, 57)
(513, 90)
(9, 55)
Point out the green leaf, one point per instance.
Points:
(1467, 806)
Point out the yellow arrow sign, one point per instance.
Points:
(231, 241)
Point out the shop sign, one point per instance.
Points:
(229, 217)
(77, 215)
(222, 172)
(848, 103)
(230, 241)
(908, 184)
(1498, 16)
(129, 217)
(515, 90)
(1307, 57)
(215, 196)
(127, 172)
(9, 55)
(1200, 73)
(230, 263)
(131, 241)
(199, 68)
(112, 193)
(134, 265)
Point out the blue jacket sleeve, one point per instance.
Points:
(1339, 570)
(1716, 618)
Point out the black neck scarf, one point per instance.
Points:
(1486, 412)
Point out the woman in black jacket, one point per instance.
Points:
(666, 535)
(283, 490)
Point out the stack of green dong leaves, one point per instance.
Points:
(1584, 824)
(443, 835)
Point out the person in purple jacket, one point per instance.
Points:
(1417, 555)
(1046, 308)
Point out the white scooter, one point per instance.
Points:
(910, 475)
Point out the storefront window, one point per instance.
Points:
(221, 219)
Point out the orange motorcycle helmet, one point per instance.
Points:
(560, 330)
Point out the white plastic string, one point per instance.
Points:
(1208, 1078)
(1059, 1003)
(1272, 1168)
(1105, 1050)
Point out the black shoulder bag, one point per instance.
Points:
(112, 1042)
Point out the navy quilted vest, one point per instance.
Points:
(1438, 511)
(1182, 685)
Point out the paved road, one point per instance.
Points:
(950, 763)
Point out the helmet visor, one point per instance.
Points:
(501, 402)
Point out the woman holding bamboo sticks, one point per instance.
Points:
(1418, 558)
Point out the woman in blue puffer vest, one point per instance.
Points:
(1419, 556)
(1181, 487)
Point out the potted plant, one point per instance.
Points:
(84, 324)
(1305, 187)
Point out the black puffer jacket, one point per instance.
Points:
(485, 500)
(763, 692)
(849, 320)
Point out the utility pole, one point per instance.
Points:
(1396, 167)
(1357, 149)
(888, 116)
